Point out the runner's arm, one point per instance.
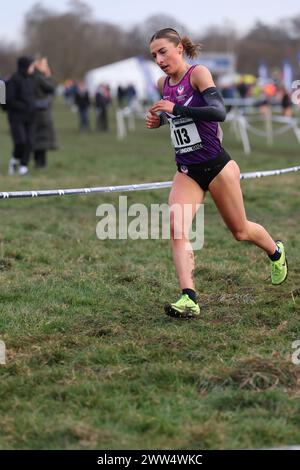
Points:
(202, 80)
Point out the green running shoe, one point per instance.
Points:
(279, 269)
(183, 308)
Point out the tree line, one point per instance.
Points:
(75, 42)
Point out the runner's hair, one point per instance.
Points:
(191, 49)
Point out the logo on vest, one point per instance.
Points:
(184, 169)
(180, 89)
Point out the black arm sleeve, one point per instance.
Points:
(214, 111)
(163, 119)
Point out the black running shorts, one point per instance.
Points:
(204, 173)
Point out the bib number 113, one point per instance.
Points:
(182, 136)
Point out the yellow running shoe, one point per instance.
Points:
(279, 268)
(183, 308)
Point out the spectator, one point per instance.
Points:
(82, 101)
(228, 93)
(131, 94)
(242, 89)
(20, 105)
(121, 93)
(102, 100)
(286, 103)
(45, 138)
(69, 92)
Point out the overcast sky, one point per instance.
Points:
(195, 14)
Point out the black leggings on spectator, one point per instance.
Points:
(22, 153)
(40, 158)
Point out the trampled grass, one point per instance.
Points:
(92, 361)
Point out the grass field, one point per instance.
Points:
(92, 361)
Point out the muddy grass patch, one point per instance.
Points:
(254, 374)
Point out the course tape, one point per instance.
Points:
(125, 188)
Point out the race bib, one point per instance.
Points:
(184, 135)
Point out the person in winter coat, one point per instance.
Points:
(20, 107)
(45, 137)
(82, 101)
(102, 100)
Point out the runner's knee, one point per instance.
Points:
(177, 226)
(240, 235)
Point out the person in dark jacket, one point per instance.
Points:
(20, 106)
(286, 103)
(102, 100)
(82, 101)
(45, 137)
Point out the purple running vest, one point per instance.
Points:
(194, 141)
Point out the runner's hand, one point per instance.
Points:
(163, 106)
(152, 120)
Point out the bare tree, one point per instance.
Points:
(157, 22)
(75, 42)
(220, 39)
(272, 43)
(139, 37)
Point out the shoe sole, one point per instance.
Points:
(171, 312)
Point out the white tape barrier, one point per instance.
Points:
(84, 191)
(125, 188)
(241, 126)
(260, 174)
(130, 113)
(288, 124)
(121, 114)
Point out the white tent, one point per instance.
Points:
(142, 74)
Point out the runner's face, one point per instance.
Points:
(167, 56)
